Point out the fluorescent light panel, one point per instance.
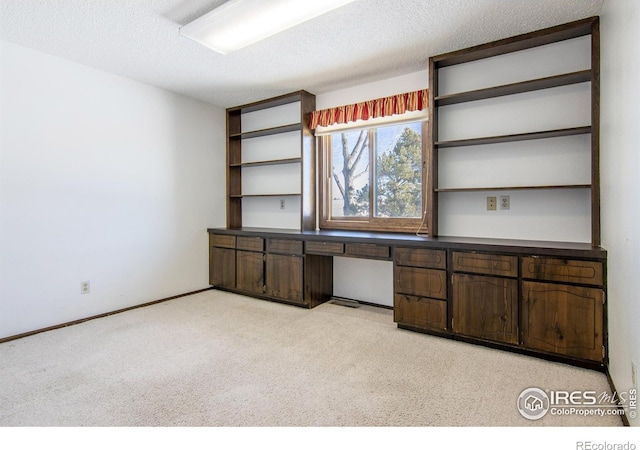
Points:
(239, 23)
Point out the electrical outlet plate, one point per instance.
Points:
(491, 203)
(505, 202)
(84, 287)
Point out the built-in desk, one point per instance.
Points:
(541, 298)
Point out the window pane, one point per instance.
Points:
(398, 171)
(350, 174)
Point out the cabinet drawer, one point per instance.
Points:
(420, 257)
(255, 244)
(367, 251)
(420, 282)
(325, 248)
(420, 312)
(569, 271)
(487, 264)
(286, 246)
(222, 240)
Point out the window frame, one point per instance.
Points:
(370, 223)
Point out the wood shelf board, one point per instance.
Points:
(272, 162)
(582, 76)
(516, 43)
(514, 188)
(267, 131)
(271, 103)
(290, 194)
(514, 137)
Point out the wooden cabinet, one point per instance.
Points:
(369, 251)
(503, 265)
(284, 277)
(549, 302)
(222, 267)
(420, 288)
(222, 261)
(563, 312)
(563, 270)
(421, 282)
(285, 270)
(485, 307)
(420, 312)
(250, 268)
(563, 319)
(421, 257)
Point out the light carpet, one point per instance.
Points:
(220, 359)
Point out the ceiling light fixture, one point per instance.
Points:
(239, 23)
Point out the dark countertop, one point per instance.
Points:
(517, 246)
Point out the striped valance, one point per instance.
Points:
(381, 107)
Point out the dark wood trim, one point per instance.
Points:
(623, 416)
(308, 213)
(99, 316)
(432, 154)
(595, 133)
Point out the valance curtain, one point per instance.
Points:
(381, 107)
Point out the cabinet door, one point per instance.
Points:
(284, 277)
(222, 267)
(250, 267)
(563, 319)
(486, 307)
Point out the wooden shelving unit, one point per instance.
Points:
(306, 159)
(586, 27)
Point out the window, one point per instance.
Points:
(373, 178)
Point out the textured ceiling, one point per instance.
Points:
(362, 42)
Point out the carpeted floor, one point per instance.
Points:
(220, 359)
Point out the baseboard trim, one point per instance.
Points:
(99, 316)
(623, 417)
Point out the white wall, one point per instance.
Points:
(101, 179)
(620, 164)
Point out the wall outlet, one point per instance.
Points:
(84, 287)
(505, 202)
(492, 203)
(282, 204)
